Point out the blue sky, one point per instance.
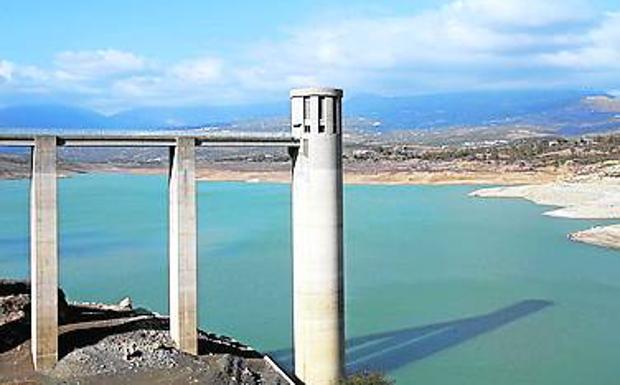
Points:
(111, 55)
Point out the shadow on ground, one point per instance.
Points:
(16, 332)
(381, 351)
(391, 350)
(83, 326)
(207, 343)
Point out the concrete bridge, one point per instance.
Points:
(315, 146)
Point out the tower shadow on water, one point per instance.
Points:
(392, 350)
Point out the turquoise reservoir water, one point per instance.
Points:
(441, 288)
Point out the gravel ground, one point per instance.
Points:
(108, 344)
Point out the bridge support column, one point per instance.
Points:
(44, 254)
(318, 292)
(183, 246)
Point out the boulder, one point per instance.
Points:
(15, 300)
(125, 304)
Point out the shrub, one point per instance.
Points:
(367, 378)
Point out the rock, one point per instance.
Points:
(15, 300)
(14, 303)
(125, 304)
(13, 287)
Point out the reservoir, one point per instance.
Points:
(441, 288)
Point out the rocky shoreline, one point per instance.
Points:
(116, 344)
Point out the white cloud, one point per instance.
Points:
(465, 44)
(520, 13)
(6, 70)
(134, 86)
(94, 64)
(601, 50)
(200, 71)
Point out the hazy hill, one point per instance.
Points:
(51, 116)
(571, 112)
(153, 117)
(473, 109)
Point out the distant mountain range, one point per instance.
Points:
(554, 110)
(572, 112)
(60, 116)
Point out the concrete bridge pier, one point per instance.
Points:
(183, 245)
(44, 253)
(318, 300)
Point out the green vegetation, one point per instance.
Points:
(367, 378)
(528, 153)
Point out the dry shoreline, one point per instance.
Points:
(605, 236)
(586, 199)
(282, 174)
(356, 172)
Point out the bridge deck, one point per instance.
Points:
(154, 139)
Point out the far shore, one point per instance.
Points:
(282, 174)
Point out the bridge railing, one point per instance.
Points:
(128, 139)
